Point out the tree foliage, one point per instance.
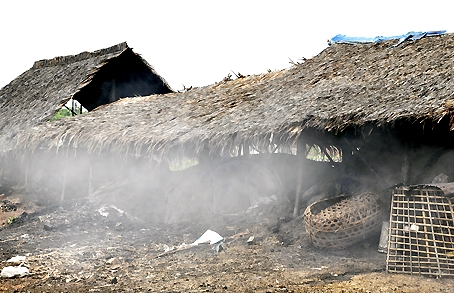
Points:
(63, 112)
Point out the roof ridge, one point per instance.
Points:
(61, 60)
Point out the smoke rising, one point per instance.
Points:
(152, 192)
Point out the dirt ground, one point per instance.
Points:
(80, 246)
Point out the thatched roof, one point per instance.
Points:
(37, 94)
(345, 86)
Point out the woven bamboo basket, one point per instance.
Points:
(339, 222)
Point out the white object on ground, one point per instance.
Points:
(104, 210)
(9, 272)
(17, 259)
(210, 236)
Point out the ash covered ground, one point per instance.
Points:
(74, 247)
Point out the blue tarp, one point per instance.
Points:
(413, 36)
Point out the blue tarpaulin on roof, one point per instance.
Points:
(413, 36)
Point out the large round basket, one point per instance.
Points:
(339, 222)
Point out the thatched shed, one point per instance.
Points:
(91, 78)
(345, 88)
(386, 108)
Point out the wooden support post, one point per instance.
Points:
(246, 151)
(90, 179)
(65, 172)
(406, 168)
(112, 90)
(26, 173)
(301, 158)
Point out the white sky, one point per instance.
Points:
(197, 43)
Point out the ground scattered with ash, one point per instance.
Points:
(76, 247)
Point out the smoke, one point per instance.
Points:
(152, 192)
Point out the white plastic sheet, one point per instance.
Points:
(210, 236)
(9, 272)
(17, 259)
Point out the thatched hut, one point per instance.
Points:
(381, 105)
(90, 78)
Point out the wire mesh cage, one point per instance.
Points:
(339, 222)
(421, 230)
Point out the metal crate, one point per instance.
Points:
(421, 232)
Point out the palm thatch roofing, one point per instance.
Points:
(344, 87)
(38, 94)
